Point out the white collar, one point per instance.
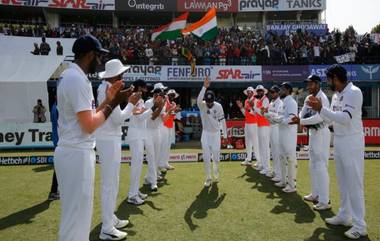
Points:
(319, 93)
(348, 86)
(287, 97)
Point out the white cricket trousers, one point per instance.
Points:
(109, 151)
(288, 154)
(349, 162)
(152, 148)
(75, 170)
(165, 146)
(264, 140)
(137, 152)
(252, 141)
(211, 149)
(319, 153)
(275, 149)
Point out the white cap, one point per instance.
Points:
(159, 86)
(260, 87)
(172, 91)
(250, 88)
(114, 67)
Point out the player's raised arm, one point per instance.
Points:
(206, 84)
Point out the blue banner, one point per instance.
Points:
(286, 29)
(355, 72)
(368, 72)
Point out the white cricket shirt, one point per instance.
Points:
(74, 94)
(213, 117)
(314, 117)
(346, 111)
(112, 126)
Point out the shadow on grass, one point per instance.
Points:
(288, 203)
(43, 168)
(205, 200)
(24, 216)
(163, 183)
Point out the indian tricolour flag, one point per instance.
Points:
(170, 31)
(206, 28)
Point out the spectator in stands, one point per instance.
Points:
(175, 54)
(44, 47)
(198, 53)
(222, 53)
(316, 53)
(59, 48)
(231, 46)
(39, 112)
(148, 54)
(36, 50)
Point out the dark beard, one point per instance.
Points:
(332, 87)
(92, 67)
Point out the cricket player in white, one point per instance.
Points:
(108, 145)
(262, 105)
(74, 157)
(213, 121)
(250, 128)
(288, 140)
(153, 140)
(166, 130)
(319, 146)
(346, 115)
(275, 108)
(137, 140)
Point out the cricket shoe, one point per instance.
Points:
(280, 184)
(121, 223)
(136, 200)
(311, 198)
(355, 233)
(114, 234)
(160, 178)
(154, 188)
(338, 221)
(321, 207)
(276, 179)
(143, 196)
(289, 189)
(208, 182)
(246, 163)
(169, 167)
(263, 172)
(257, 167)
(269, 174)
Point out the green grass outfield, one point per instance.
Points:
(125, 151)
(245, 206)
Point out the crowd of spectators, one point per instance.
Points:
(232, 46)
